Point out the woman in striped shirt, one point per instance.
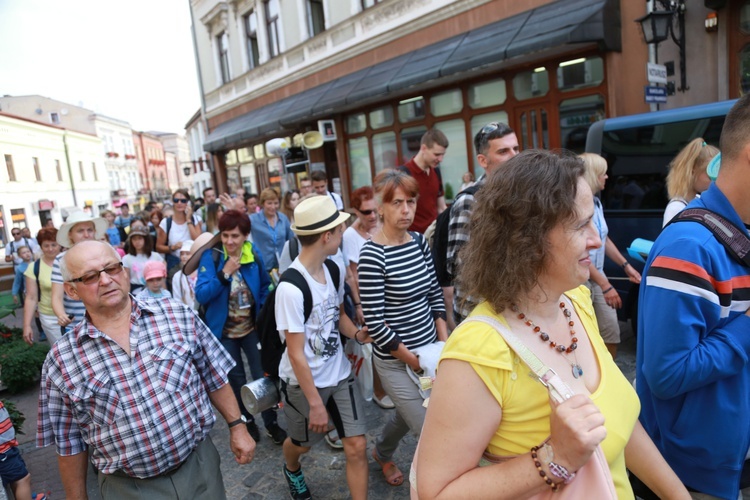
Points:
(403, 308)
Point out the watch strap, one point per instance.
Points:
(235, 423)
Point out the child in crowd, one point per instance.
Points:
(183, 286)
(155, 274)
(140, 252)
(12, 467)
(112, 232)
(25, 254)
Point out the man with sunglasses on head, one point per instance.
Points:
(495, 144)
(133, 384)
(19, 240)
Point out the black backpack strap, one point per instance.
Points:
(293, 248)
(440, 177)
(404, 169)
(732, 237)
(37, 266)
(169, 227)
(294, 277)
(334, 271)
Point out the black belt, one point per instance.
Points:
(166, 473)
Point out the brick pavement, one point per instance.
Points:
(262, 479)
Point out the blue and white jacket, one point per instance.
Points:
(692, 362)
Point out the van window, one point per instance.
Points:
(638, 158)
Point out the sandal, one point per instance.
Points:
(393, 475)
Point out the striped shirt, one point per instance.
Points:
(142, 413)
(400, 294)
(72, 306)
(7, 432)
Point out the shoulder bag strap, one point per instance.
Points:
(559, 390)
(732, 237)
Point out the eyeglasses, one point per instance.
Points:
(15, 234)
(365, 212)
(93, 277)
(179, 200)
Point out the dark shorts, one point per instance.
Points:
(12, 466)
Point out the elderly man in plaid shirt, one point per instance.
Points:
(495, 144)
(134, 382)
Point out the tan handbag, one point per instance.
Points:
(593, 480)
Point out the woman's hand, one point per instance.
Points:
(231, 265)
(64, 320)
(633, 275)
(576, 428)
(612, 298)
(28, 335)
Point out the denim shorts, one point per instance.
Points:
(12, 466)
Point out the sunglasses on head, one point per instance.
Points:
(15, 234)
(179, 200)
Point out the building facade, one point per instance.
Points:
(200, 160)
(152, 166)
(47, 171)
(179, 167)
(373, 76)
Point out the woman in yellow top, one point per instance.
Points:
(41, 296)
(527, 257)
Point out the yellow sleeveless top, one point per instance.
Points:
(525, 401)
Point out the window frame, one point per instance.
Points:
(11, 169)
(37, 171)
(251, 39)
(222, 52)
(314, 7)
(272, 28)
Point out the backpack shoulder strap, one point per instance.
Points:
(293, 248)
(294, 277)
(404, 169)
(440, 176)
(37, 267)
(733, 238)
(169, 227)
(334, 271)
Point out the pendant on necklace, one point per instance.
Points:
(577, 371)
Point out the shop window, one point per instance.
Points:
(244, 155)
(580, 73)
(453, 166)
(359, 162)
(230, 158)
(745, 70)
(259, 151)
(745, 18)
(410, 142)
(275, 167)
(487, 94)
(10, 168)
(530, 84)
(384, 151)
(411, 109)
(576, 116)
(446, 103)
(477, 122)
(356, 123)
(248, 177)
(381, 117)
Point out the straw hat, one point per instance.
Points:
(317, 215)
(76, 217)
(200, 245)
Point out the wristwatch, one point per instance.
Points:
(241, 420)
(561, 472)
(227, 277)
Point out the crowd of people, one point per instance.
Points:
(140, 356)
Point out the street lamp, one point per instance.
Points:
(658, 25)
(186, 171)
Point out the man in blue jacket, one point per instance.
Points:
(693, 354)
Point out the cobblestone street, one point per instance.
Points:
(324, 467)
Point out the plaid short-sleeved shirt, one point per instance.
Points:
(141, 414)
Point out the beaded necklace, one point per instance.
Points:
(544, 336)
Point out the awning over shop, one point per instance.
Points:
(565, 22)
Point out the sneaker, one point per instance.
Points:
(385, 402)
(297, 485)
(333, 440)
(252, 428)
(276, 433)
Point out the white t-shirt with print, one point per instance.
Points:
(323, 349)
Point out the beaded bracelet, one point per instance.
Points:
(542, 474)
